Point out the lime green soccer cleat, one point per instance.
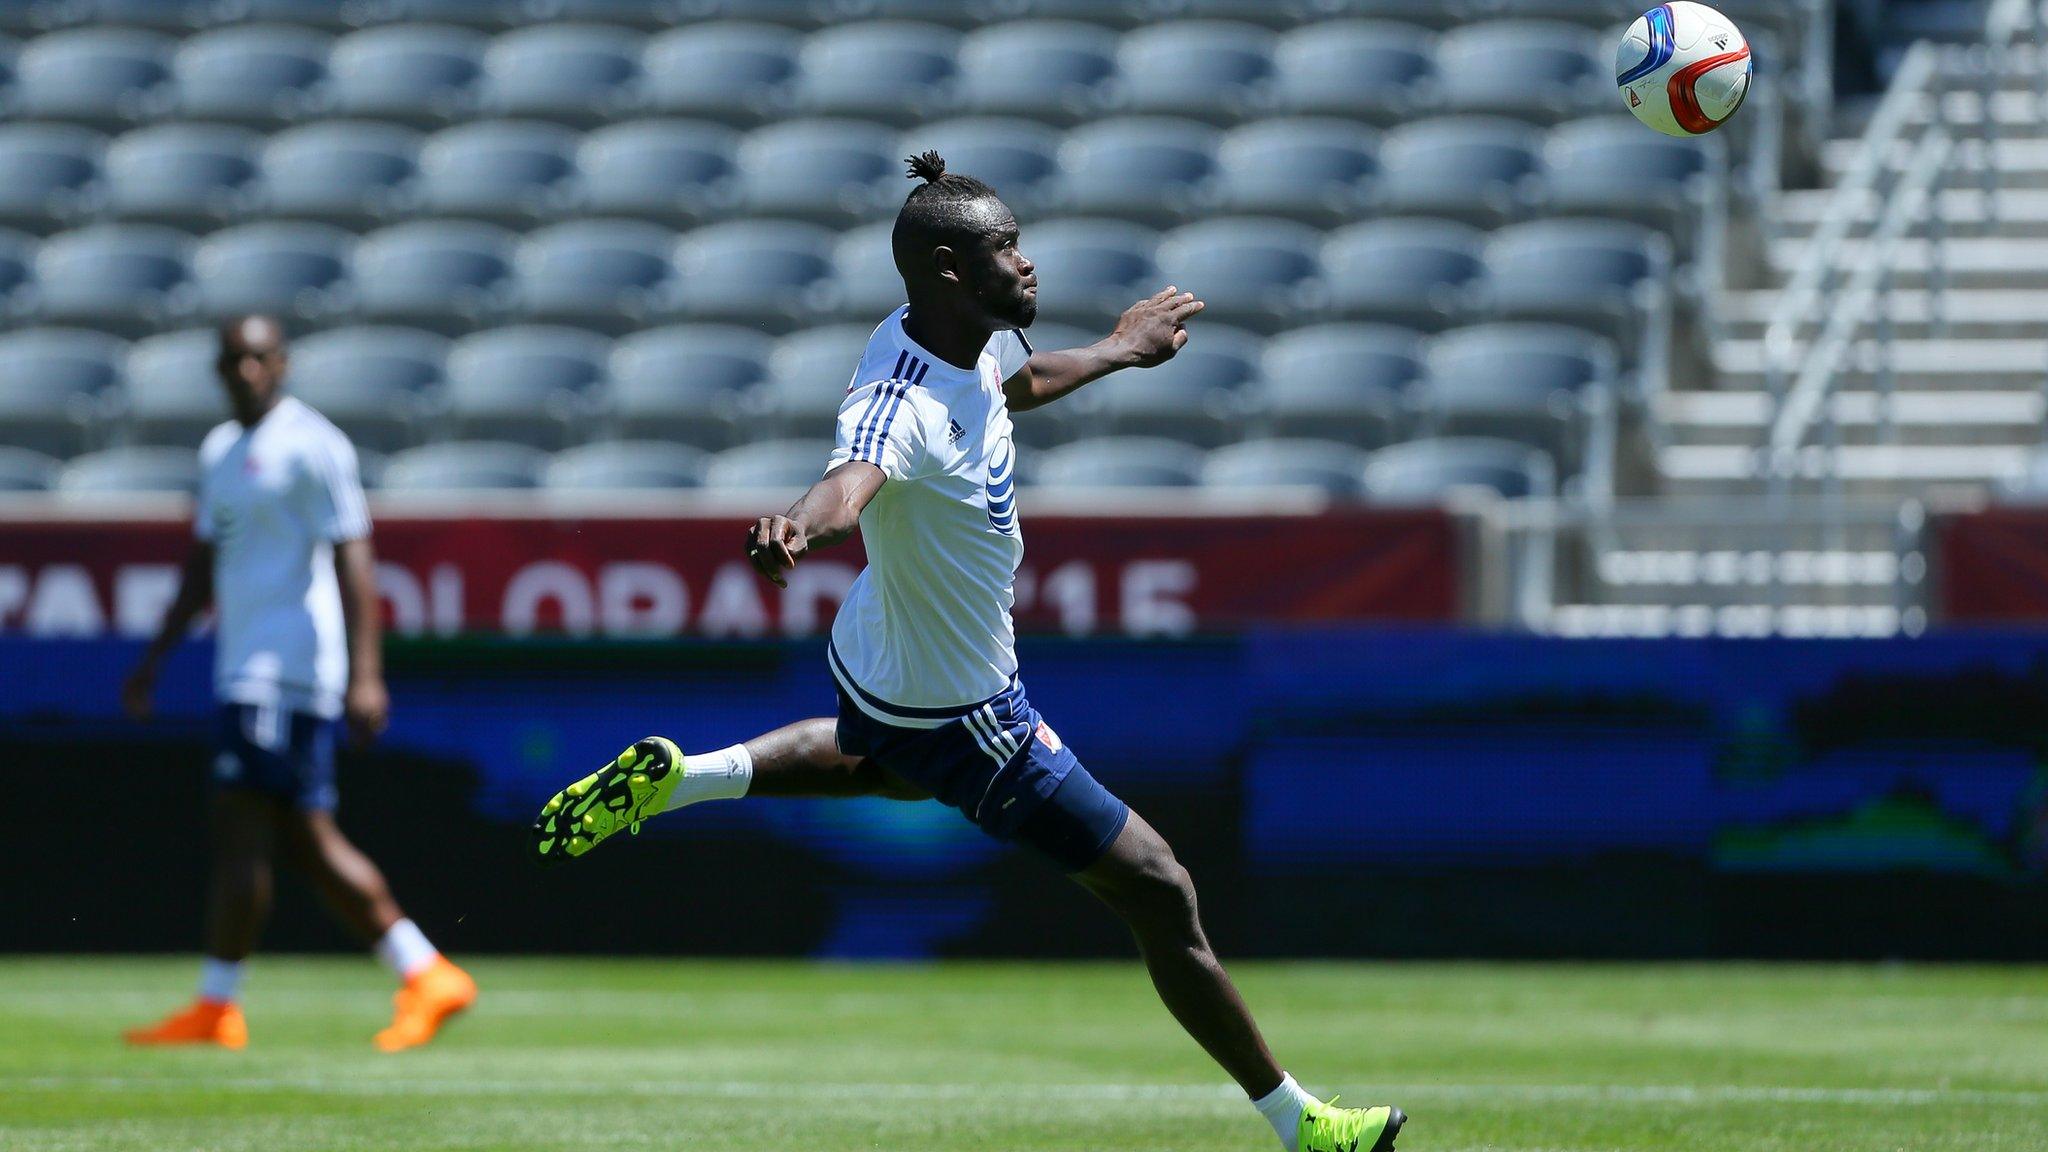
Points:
(1328, 1128)
(617, 796)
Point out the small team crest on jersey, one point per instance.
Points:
(1048, 737)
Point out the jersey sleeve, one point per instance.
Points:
(1013, 351)
(879, 424)
(339, 511)
(203, 527)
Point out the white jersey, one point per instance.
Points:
(274, 500)
(925, 634)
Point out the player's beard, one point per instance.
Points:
(1017, 309)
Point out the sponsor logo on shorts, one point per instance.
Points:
(1048, 737)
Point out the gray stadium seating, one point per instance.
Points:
(1018, 158)
(413, 73)
(475, 466)
(1470, 167)
(1524, 68)
(130, 471)
(683, 383)
(446, 272)
(1316, 169)
(1533, 382)
(17, 270)
(1425, 471)
(865, 283)
(625, 465)
(127, 277)
(344, 171)
(53, 382)
(1091, 270)
(524, 383)
(24, 471)
(373, 382)
(723, 70)
(605, 274)
(1344, 381)
(1606, 166)
(783, 464)
(674, 170)
(762, 272)
(498, 169)
(164, 15)
(575, 73)
(191, 175)
(254, 73)
(808, 374)
(1413, 272)
(1150, 168)
(1251, 271)
(171, 393)
(1210, 69)
(49, 173)
(1047, 69)
(1119, 462)
(1600, 274)
(882, 69)
(101, 76)
(1373, 70)
(291, 268)
(1194, 398)
(832, 170)
(1333, 467)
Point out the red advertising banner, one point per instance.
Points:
(1994, 566)
(655, 577)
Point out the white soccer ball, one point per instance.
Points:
(1683, 68)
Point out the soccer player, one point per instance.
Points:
(922, 649)
(281, 544)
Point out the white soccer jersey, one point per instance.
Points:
(925, 634)
(274, 500)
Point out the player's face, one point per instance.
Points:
(251, 366)
(1002, 279)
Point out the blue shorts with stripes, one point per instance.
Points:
(285, 755)
(1003, 767)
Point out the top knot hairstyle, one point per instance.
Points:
(947, 209)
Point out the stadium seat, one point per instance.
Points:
(832, 170)
(646, 15)
(290, 268)
(1018, 158)
(162, 15)
(808, 375)
(373, 382)
(672, 170)
(1529, 69)
(575, 73)
(1340, 381)
(347, 172)
(1194, 398)
(324, 14)
(1251, 271)
(499, 169)
(17, 271)
(130, 472)
(1316, 170)
(604, 274)
(865, 282)
(193, 175)
(1533, 382)
(880, 69)
(1426, 471)
(171, 393)
(476, 466)
(624, 466)
(1331, 466)
(729, 71)
(1090, 270)
(1119, 462)
(49, 173)
(251, 73)
(1148, 168)
(124, 277)
(1366, 69)
(762, 272)
(683, 382)
(1415, 272)
(780, 464)
(101, 76)
(53, 383)
(1209, 69)
(1607, 165)
(490, 15)
(447, 272)
(526, 383)
(423, 74)
(1051, 70)
(1602, 274)
(1470, 167)
(24, 471)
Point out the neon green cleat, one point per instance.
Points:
(1328, 1128)
(617, 796)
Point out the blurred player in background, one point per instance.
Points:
(923, 648)
(282, 547)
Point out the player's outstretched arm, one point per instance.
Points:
(827, 514)
(195, 595)
(1148, 333)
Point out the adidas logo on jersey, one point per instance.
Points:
(954, 432)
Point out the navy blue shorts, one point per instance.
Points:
(285, 755)
(1004, 768)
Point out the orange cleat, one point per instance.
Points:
(205, 1022)
(432, 995)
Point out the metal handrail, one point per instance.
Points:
(2008, 18)
(1816, 380)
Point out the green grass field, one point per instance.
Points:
(567, 1055)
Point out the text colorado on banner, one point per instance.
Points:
(1163, 576)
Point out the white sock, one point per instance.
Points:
(405, 950)
(1282, 1108)
(220, 981)
(722, 775)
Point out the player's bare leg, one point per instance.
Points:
(238, 897)
(803, 759)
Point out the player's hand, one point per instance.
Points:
(1152, 329)
(138, 692)
(368, 708)
(774, 545)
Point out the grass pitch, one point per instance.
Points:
(576, 1054)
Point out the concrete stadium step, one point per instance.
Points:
(1891, 471)
(1947, 364)
(1968, 313)
(2018, 212)
(2016, 110)
(1752, 620)
(2021, 163)
(1967, 262)
(1743, 419)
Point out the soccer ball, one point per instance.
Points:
(1683, 68)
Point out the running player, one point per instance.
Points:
(282, 545)
(922, 649)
